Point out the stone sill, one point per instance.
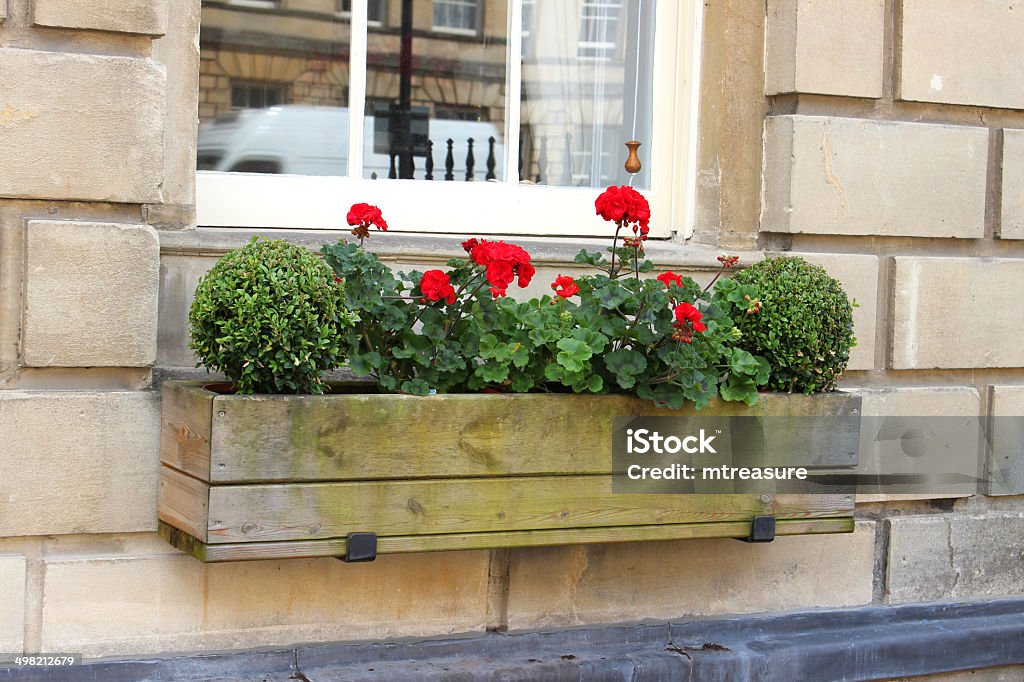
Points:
(421, 247)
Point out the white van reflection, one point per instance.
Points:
(309, 140)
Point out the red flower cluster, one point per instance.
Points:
(470, 244)
(565, 286)
(624, 204)
(728, 261)
(362, 216)
(436, 285)
(669, 278)
(503, 263)
(688, 322)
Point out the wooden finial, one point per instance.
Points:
(633, 161)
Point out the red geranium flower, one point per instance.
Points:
(624, 204)
(688, 321)
(568, 286)
(436, 285)
(503, 264)
(669, 278)
(362, 216)
(470, 244)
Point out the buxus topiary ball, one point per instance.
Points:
(270, 315)
(804, 328)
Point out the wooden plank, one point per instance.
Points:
(183, 502)
(185, 428)
(335, 547)
(359, 437)
(244, 513)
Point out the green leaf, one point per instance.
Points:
(626, 365)
(416, 387)
(573, 354)
(739, 389)
(595, 258)
(492, 372)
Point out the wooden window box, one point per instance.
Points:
(271, 476)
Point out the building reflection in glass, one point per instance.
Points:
(274, 88)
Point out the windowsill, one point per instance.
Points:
(410, 246)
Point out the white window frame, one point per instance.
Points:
(608, 49)
(315, 203)
(347, 14)
(458, 30)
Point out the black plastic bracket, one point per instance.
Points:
(361, 547)
(762, 529)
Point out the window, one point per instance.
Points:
(455, 15)
(256, 95)
(376, 12)
(480, 135)
(599, 29)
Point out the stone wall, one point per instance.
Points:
(857, 139)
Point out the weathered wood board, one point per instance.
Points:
(248, 477)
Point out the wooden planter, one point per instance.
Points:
(260, 477)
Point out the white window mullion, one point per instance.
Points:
(513, 111)
(357, 87)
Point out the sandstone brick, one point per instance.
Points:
(148, 17)
(960, 557)
(987, 74)
(1012, 205)
(950, 450)
(933, 329)
(859, 277)
(111, 604)
(77, 462)
(1006, 458)
(91, 294)
(921, 401)
(3, 10)
(827, 175)
(178, 51)
(80, 126)
(561, 586)
(12, 602)
(828, 47)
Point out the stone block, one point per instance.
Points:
(178, 51)
(78, 462)
(148, 17)
(81, 126)
(560, 586)
(110, 604)
(827, 47)
(951, 450)
(12, 602)
(827, 175)
(91, 294)
(1005, 470)
(1012, 204)
(958, 557)
(3, 10)
(988, 73)
(859, 276)
(957, 312)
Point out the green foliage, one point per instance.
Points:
(270, 316)
(618, 334)
(804, 327)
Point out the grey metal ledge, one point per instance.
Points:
(421, 247)
(869, 643)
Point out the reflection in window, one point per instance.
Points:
(456, 15)
(274, 89)
(256, 95)
(599, 26)
(376, 12)
(576, 113)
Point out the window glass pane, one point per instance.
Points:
(586, 90)
(436, 109)
(273, 88)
